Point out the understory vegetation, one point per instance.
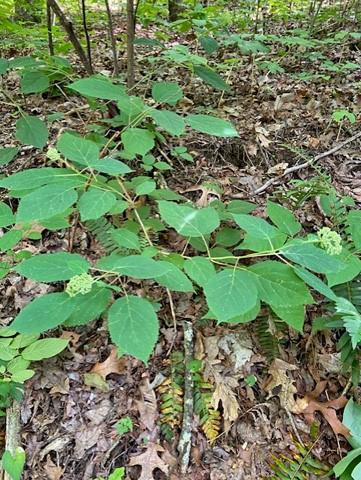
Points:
(180, 238)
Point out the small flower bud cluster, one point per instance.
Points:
(80, 284)
(330, 241)
(53, 154)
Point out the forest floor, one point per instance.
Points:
(68, 424)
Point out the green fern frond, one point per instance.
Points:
(302, 465)
(265, 329)
(209, 417)
(171, 400)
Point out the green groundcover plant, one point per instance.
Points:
(234, 259)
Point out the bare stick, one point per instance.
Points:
(185, 439)
(12, 431)
(130, 43)
(50, 28)
(295, 168)
(112, 39)
(68, 27)
(85, 26)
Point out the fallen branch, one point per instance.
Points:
(295, 168)
(185, 439)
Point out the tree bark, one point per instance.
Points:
(130, 43)
(68, 27)
(174, 9)
(112, 39)
(49, 20)
(85, 27)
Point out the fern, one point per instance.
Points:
(302, 465)
(266, 329)
(171, 401)
(101, 229)
(209, 417)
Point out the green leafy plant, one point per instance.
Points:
(268, 259)
(117, 474)
(16, 354)
(349, 468)
(124, 425)
(13, 464)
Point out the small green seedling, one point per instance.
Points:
(125, 425)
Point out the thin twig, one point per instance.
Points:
(185, 439)
(295, 168)
(86, 32)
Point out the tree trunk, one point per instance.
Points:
(28, 10)
(174, 9)
(130, 43)
(68, 27)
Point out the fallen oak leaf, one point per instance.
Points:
(309, 405)
(280, 384)
(149, 461)
(112, 364)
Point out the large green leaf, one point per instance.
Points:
(174, 279)
(125, 238)
(78, 149)
(166, 92)
(211, 125)
(137, 141)
(98, 87)
(311, 257)
(133, 326)
(352, 268)
(37, 177)
(283, 218)
(46, 202)
(169, 121)
(10, 239)
(132, 109)
(342, 465)
(209, 44)
(53, 267)
(189, 221)
(315, 283)
(135, 266)
(211, 77)
(231, 293)
(260, 234)
(44, 313)
(44, 348)
(294, 316)
(199, 269)
(4, 64)
(14, 464)
(32, 131)
(7, 154)
(278, 285)
(95, 203)
(352, 420)
(34, 82)
(110, 166)
(89, 307)
(6, 215)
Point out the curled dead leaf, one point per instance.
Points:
(309, 405)
(112, 364)
(280, 384)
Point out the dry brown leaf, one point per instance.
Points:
(281, 384)
(309, 405)
(147, 406)
(52, 471)
(224, 392)
(208, 194)
(112, 364)
(149, 461)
